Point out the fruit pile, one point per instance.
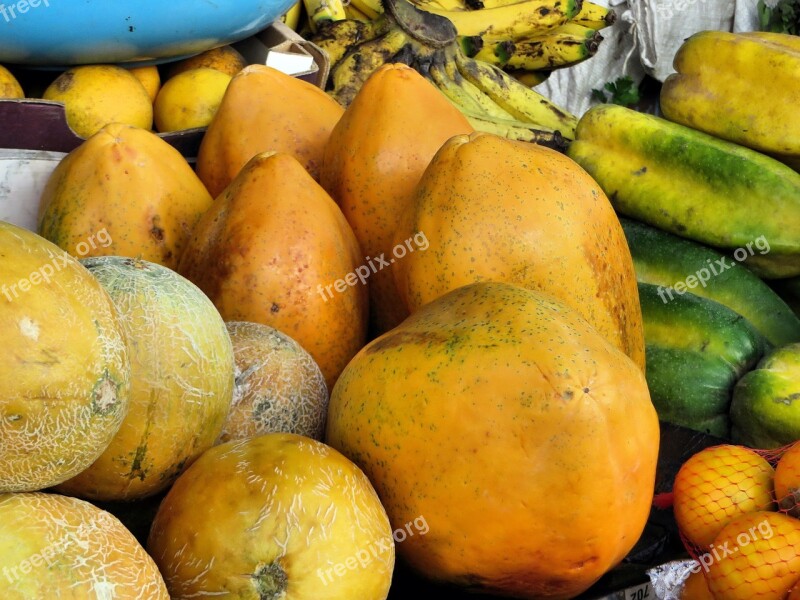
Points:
(377, 322)
(740, 518)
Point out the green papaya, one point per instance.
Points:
(765, 411)
(694, 185)
(696, 350)
(677, 265)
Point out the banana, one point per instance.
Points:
(371, 8)
(565, 46)
(517, 130)
(350, 73)
(319, 11)
(595, 16)
(512, 21)
(445, 4)
(446, 74)
(497, 53)
(291, 18)
(529, 78)
(456, 94)
(522, 102)
(354, 14)
(336, 38)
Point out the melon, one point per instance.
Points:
(54, 546)
(182, 380)
(65, 373)
(277, 387)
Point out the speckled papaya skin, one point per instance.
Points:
(525, 439)
(123, 192)
(500, 210)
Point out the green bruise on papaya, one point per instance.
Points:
(692, 184)
(663, 259)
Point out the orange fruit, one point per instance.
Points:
(756, 555)
(787, 481)
(795, 593)
(717, 484)
(225, 58)
(149, 78)
(695, 587)
(190, 99)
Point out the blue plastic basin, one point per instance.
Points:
(72, 32)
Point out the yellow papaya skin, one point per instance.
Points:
(501, 210)
(526, 441)
(694, 185)
(276, 249)
(719, 89)
(123, 192)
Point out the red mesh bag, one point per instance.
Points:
(738, 512)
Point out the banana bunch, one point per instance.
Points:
(492, 100)
(516, 35)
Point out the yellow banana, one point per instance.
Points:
(371, 8)
(448, 72)
(457, 95)
(529, 78)
(522, 102)
(319, 11)
(440, 4)
(337, 38)
(513, 21)
(595, 16)
(497, 53)
(356, 66)
(354, 14)
(565, 46)
(517, 130)
(291, 18)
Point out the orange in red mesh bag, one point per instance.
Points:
(787, 483)
(716, 485)
(795, 594)
(756, 556)
(695, 587)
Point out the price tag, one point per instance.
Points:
(639, 592)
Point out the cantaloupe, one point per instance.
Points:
(182, 380)
(277, 388)
(65, 372)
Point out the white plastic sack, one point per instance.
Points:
(644, 40)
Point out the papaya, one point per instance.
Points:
(500, 210)
(765, 410)
(694, 185)
(182, 376)
(718, 88)
(507, 421)
(122, 192)
(374, 159)
(697, 349)
(669, 261)
(275, 249)
(263, 110)
(65, 375)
